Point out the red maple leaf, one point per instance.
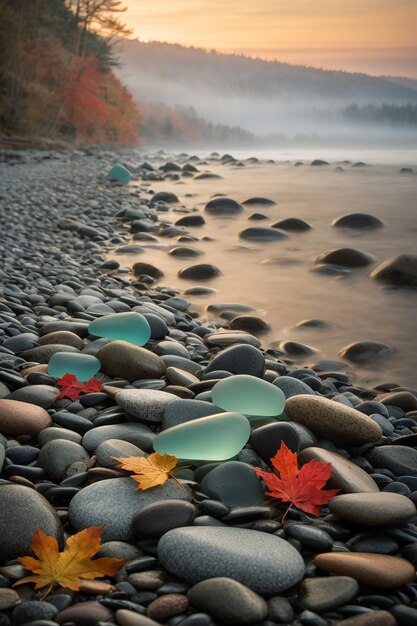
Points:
(71, 387)
(301, 487)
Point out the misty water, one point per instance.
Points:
(276, 278)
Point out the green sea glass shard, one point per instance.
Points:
(120, 174)
(82, 366)
(214, 438)
(132, 327)
(248, 395)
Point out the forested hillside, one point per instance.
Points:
(56, 78)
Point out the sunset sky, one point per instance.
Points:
(375, 36)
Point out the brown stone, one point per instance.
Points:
(34, 369)
(85, 614)
(129, 618)
(125, 360)
(168, 605)
(149, 580)
(9, 598)
(42, 354)
(346, 476)
(22, 418)
(374, 618)
(405, 400)
(96, 587)
(372, 570)
(332, 420)
(63, 337)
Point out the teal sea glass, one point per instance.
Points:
(248, 395)
(82, 366)
(214, 438)
(132, 327)
(120, 174)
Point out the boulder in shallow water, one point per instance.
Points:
(358, 220)
(366, 351)
(223, 206)
(202, 271)
(262, 234)
(292, 223)
(346, 257)
(400, 271)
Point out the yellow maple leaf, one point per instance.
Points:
(67, 568)
(149, 471)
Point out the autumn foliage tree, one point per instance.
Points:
(56, 77)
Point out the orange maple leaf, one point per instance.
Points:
(301, 487)
(69, 567)
(150, 471)
(71, 387)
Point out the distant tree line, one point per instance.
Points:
(388, 114)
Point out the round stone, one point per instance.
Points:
(371, 618)
(358, 220)
(155, 519)
(291, 386)
(333, 420)
(239, 359)
(32, 611)
(262, 234)
(259, 201)
(249, 323)
(248, 395)
(146, 269)
(266, 440)
(146, 404)
(56, 456)
(366, 351)
(400, 460)
(137, 434)
(168, 605)
(372, 570)
(228, 601)
(346, 257)
(327, 593)
(346, 476)
(132, 327)
(114, 503)
(82, 366)
(292, 224)
(22, 511)
(63, 337)
(214, 438)
(181, 411)
(110, 449)
(264, 563)
(223, 206)
(40, 395)
(125, 360)
(9, 598)
(373, 509)
(234, 484)
(399, 271)
(201, 271)
(22, 418)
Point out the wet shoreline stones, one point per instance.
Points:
(213, 550)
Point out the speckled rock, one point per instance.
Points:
(327, 593)
(146, 404)
(264, 563)
(123, 359)
(332, 420)
(114, 502)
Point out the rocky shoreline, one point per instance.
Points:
(212, 551)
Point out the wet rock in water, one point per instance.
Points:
(358, 220)
(366, 351)
(165, 196)
(292, 224)
(227, 338)
(125, 360)
(22, 418)
(132, 249)
(202, 271)
(327, 593)
(346, 476)
(145, 404)
(250, 323)
(114, 502)
(185, 252)
(22, 511)
(262, 234)
(248, 395)
(333, 420)
(82, 366)
(195, 219)
(132, 327)
(228, 601)
(345, 257)
(140, 269)
(313, 323)
(319, 162)
(258, 217)
(259, 201)
(264, 563)
(296, 349)
(373, 509)
(398, 271)
(223, 206)
(120, 174)
(373, 570)
(208, 176)
(199, 439)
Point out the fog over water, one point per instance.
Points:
(276, 278)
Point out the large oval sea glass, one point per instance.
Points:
(82, 366)
(132, 327)
(120, 174)
(248, 395)
(213, 438)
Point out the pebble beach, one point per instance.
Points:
(217, 383)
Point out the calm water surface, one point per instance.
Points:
(276, 277)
